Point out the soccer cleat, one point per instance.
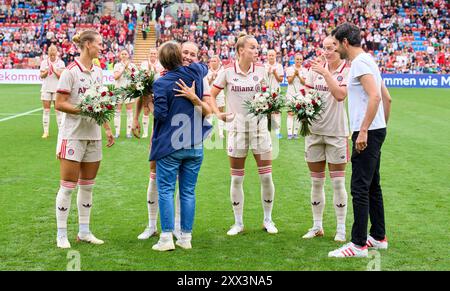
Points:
(164, 245)
(349, 250)
(235, 229)
(221, 136)
(340, 236)
(45, 135)
(185, 241)
(148, 232)
(89, 238)
(377, 244)
(289, 136)
(279, 136)
(129, 136)
(314, 232)
(144, 135)
(295, 136)
(269, 226)
(62, 242)
(116, 136)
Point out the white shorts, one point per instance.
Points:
(333, 149)
(48, 96)
(86, 151)
(239, 143)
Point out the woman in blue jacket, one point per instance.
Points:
(177, 143)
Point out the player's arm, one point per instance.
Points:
(278, 77)
(337, 91)
(109, 134)
(62, 103)
(189, 93)
(387, 100)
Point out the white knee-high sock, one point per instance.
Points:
(339, 197)
(296, 126)
(152, 201)
(58, 117)
(276, 117)
(129, 121)
(237, 194)
(84, 203)
(317, 197)
(46, 120)
(221, 125)
(267, 191)
(63, 201)
(117, 120)
(145, 120)
(290, 124)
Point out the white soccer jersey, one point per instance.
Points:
(296, 85)
(333, 119)
(272, 81)
(122, 81)
(75, 80)
(157, 68)
(210, 75)
(239, 87)
(50, 82)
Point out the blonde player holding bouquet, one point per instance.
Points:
(125, 65)
(242, 81)
(79, 148)
(328, 141)
(50, 72)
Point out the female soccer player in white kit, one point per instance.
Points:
(328, 142)
(79, 146)
(151, 65)
(120, 68)
(50, 71)
(275, 77)
(242, 81)
(215, 68)
(296, 79)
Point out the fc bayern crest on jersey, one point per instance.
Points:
(70, 152)
(255, 78)
(258, 87)
(340, 78)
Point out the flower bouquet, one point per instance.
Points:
(140, 84)
(306, 109)
(264, 103)
(98, 103)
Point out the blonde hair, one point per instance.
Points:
(85, 36)
(242, 40)
(52, 48)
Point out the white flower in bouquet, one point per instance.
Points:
(139, 86)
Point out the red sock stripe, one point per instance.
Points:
(348, 152)
(68, 184)
(317, 174)
(237, 172)
(337, 174)
(86, 182)
(153, 176)
(63, 149)
(265, 170)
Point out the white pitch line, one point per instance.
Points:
(21, 114)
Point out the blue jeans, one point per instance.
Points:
(186, 164)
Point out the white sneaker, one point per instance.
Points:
(148, 232)
(314, 232)
(269, 226)
(377, 244)
(144, 135)
(235, 229)
(340, 236)
(185, 241)
(349, 250)
(177, 234)
(89, 238)
(62, 242)
(163, 245)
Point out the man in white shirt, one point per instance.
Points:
(369, 108)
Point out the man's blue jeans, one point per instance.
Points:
(186, 164)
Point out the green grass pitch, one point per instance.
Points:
(415, 180)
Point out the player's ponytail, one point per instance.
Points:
(80, 38)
